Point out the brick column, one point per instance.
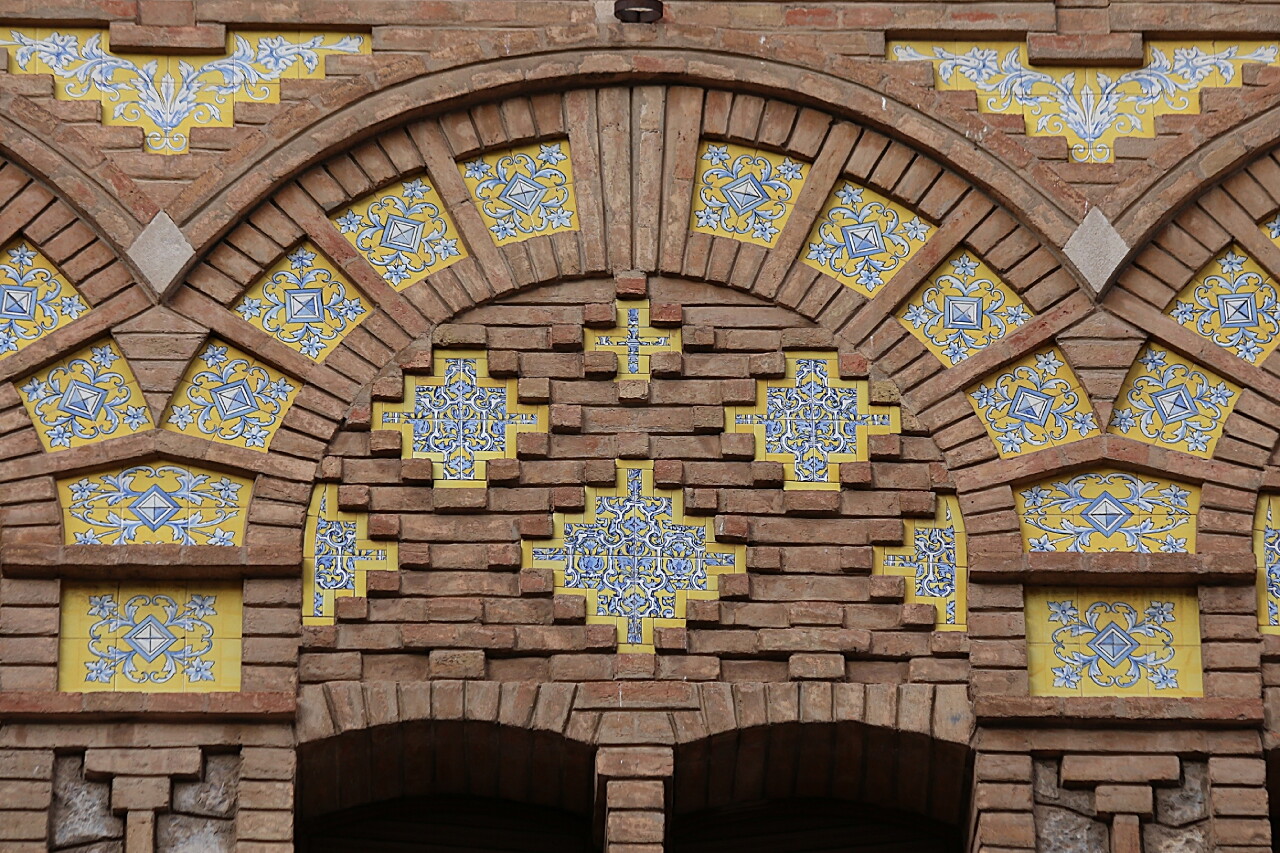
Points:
(631, 787)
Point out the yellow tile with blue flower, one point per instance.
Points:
(934, 559)
(1170, 401)
(35, 297)
(337, 554)
(1232, 302)
(1034, 403)
(744, 193)
(524, 192)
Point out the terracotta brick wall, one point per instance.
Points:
(808, 674)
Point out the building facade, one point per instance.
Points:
(517, 426)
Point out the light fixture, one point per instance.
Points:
(637, 11)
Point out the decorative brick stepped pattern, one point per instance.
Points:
(804, 667)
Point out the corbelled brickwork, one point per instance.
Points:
(445, 403)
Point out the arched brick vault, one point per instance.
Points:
(650, 132)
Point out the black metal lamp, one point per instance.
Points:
(637, 11)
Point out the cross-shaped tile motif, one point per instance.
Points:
(634, 340)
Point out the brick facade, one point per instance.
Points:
(459, 663)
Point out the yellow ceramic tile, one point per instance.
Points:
(637, 558)
(744, 194)
(934, 560)
(1266, 550)
(1108, 510)
(459, 417)
(633, 339)
(861, 238)
(168, 96)
(305, 303)
(150, 637)
(1232, 302)
(229, 396)
(35, 298)
(523, 192)
(154, 504)
(1170, 401)
(86, 397)
(962, 308)
(1034, 403)
(1091, 107)
(337, 553)
(812, 420)
(403, 231)
(1113, 642)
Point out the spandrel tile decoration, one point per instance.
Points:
(1232, 302)
(1034, 403)
(523, 192)
(1170, 401)
(35, 298)
(745, 194)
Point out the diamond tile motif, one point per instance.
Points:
(744, 194)
(862, 238)
(1266, 550)
(1233, 303)
(167, 96)
(155, 638)
(934, 560)
(812, 420)
(1113, 642)
(337, 552)
(460, 417)
(89, 396)
(35, 298)
(1170, 401)
(524, 192)
(304, 302)
(403, 231)
(962, 308)
(156, 504)
(1034, 403)
(633, 339)
(635, 556)
(1109, 510)
(230, 397)
(1090, 107)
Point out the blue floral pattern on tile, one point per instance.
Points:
(460, 419)
(1072, 513)
(149, 503)
(1236, 308)
(1033, 405)
(522, 193)
(304, 306)
(33, 299)
(635, 557)
(961, 312)
(1173, 403)
(338, 553)
(233, 399)
(180, 639)
(404, 234)
(933, 565)
(1124, 646)
(746, 194)
(865, 240)
(84, 399)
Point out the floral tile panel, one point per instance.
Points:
(934, 560)
(633, 339)
(743, 193)
(1266, 549)
(165, 95)
(1113, 642)
(1108, 510)
(459, 417)
(635, 556)
(305, 303)
(1089, 107)
(1170, 401)
(337, 552)
(862, 239)
(524, 192)
(150, 638)
(35, 298)
(1034, 403)
(89, 396)
(1233, 303)
(156, 504)
(230, 397)
(962, 308)
(403, 231)
(811, 420)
